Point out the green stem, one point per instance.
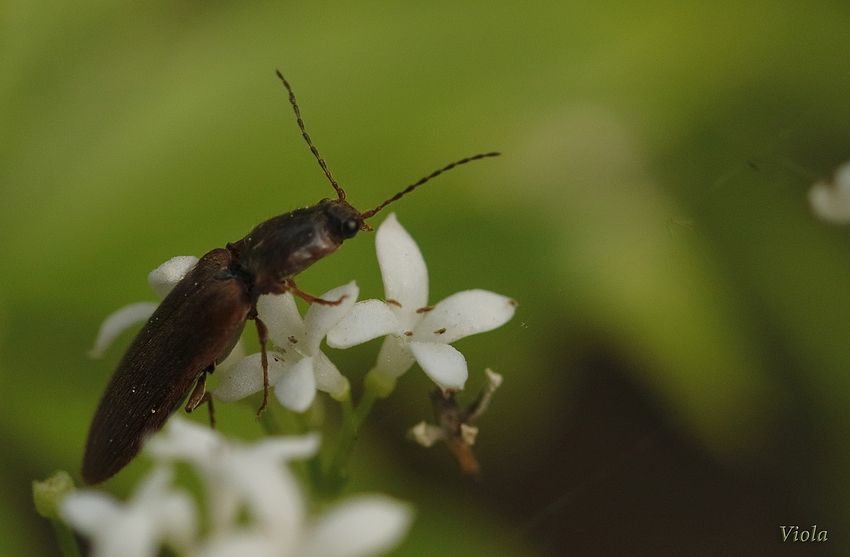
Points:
(65, 538)
(352, 421)
(314, 465)
(270, 423)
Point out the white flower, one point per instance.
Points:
(417, 332)
(239, 477)
(251, 478)
(161, 280)
(153, 515)
(358, 527)
(831, 201)
(298, 368)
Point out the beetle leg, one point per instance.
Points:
(309, 298)
(200, 396)
(263, 333)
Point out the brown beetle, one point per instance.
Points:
(198, 323)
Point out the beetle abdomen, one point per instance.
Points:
(195, 326)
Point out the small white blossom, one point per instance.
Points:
(251, 478)
(154, 515)
(831, 201)
(361, 526)
(298, 367)
(416, 332)
(239, 476)
(161, 280)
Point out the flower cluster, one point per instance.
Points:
(254, 505)
(415, 332)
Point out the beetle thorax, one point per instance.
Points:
(281, 247)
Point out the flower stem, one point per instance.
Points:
(65, 538)
(270, 423)
(352, 420)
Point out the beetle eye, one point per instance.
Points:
(350, 228)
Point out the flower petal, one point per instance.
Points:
(166, 276)
(280, 314)
(463, 314)
(394, 358)
(269, 491)
(240, 544)
(242, 481)
(129, 534)
(361, 526)
(182, 439)
(842, 176)
(237, 354)
(366, 320)
(175, 518)
(296, 388)
(154, 485)
(134, 529)
(443, 364)
(321, 318)
(223, 501)
(246, 377)
(402, 266)
(328, 377)
(171, 513)
(831, 202)
(118, 322)
(287, 448)
(87, 510)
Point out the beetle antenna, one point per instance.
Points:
(421, 181)
(339, 191)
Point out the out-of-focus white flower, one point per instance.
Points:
(361, 526)
(240, 477)
(251, 478)
(415, 331)
(154, 515)
(298, 367)
(161, 280)
(831, 201)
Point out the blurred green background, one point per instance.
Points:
(676, 377)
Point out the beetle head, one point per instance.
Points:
(342, 220)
